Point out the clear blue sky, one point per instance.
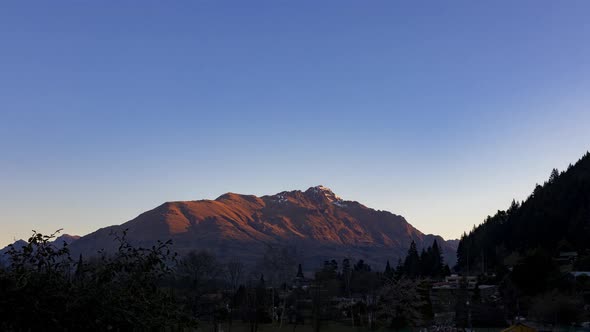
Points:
(442, 111)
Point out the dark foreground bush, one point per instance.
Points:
(43, 289)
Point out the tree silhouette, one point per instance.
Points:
(412, 261)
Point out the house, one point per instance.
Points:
(455, 280)
(445, 295)
(519, 327)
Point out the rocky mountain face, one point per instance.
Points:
(316, 223)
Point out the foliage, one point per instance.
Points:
(42, 289)
(519, 246)
(556, 308)
(429, 263)
(199, 269)
(556, 213)
(234, 273)
(535, 273)
(401, 303)
(278, 265)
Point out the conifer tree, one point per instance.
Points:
(554, 175)
(299, 272)
(79, 267)
(437, 260)
(424, 262)
(412, 261)
(399, 269)
(388, 273)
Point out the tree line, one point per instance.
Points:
(136, 289)
(429, 263)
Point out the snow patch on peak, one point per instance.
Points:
(281, 198)
(320, 187)
(339, 203)
(326, 192)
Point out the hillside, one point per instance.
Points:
(555, 217)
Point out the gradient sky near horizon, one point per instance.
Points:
(441, 111)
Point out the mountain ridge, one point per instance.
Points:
(317, 222)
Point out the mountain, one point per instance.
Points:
(317, 223)
(67, 238)
(18, 244)
(554, 218)
(59, 241)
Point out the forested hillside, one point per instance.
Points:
(554, 218)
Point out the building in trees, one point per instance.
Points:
(450, 297)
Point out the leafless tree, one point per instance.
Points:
(200, 267)
(279, 267)
(400, 302)
(234, 272)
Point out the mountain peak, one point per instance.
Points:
(322, 188)
(325, 192)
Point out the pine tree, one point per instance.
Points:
(362, 266)
(425, 262)
(513, 207)
(79, 267)
(554, 175)
(399, 269)
(388, 273)
(437, 260)
(299, 272)
(412, 261)
(446, 271)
